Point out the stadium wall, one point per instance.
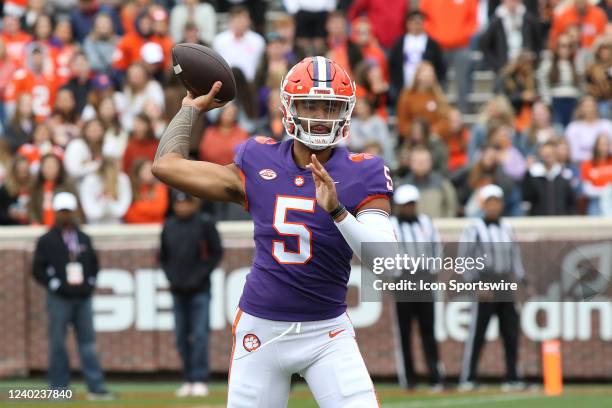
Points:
(134, 322)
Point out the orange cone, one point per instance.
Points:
(553, 376)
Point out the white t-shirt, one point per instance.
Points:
(414, 48)
(244, 52)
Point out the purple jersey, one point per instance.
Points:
(301, 265)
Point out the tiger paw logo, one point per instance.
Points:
(250, 342)
(298, 181)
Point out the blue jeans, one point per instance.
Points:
(191, 326)
(563, 110)
(78, 312)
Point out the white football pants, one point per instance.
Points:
(266, 353)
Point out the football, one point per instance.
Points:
(198, 67)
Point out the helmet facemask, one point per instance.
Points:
(318, 121)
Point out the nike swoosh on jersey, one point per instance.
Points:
(334, 333)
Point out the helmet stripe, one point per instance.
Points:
(315, 71)
(328, 72)
(321, 62)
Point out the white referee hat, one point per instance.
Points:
(490, 191)
(406, 194)
(64, 201)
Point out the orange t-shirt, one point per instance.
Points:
(128, 48)
(218, 147)
(451, 23)
(591, 24)
(151, 207)
(599, 175)
(15, 46)
(42, 88)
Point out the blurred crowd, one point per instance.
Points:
(87, 89)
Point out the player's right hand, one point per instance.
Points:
(204, 103)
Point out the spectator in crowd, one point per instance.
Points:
(66, 265)
(246, 102)
(452, 25)
(220, 141)
(41, 145)
(81, 82)
(83, 17)
(102, 87)
(591, 20)
(32, 76)
(513, 30)
(496, 110)
(7, 69)
(51, 178)
(518, 82)
(438, 197)
(284, 25)
(417, 236)
(367, 127)
(274, 60)
(150, 196)
(420, 135)
(65, 120)
(139, 88)
(20, 128)
(84, 155)
(372, 85)
(485, 170)
(502, 263)
(106, 194)
(387, 18)
(239, 46)
(155, 115)
(190, 250)
(426, 100)
(100, 44)
(502, 137)
(127, 51)
(598, 75)
(540, 131)
(559, 81)
(310, 18)
(201, 15)
(35, 9)
(161, 34)
(370, 50)
(115, 137)
(65, 47)
(340, 48)
(15, 193)
(596, 173)
(408, 52)
(547, 186)
(142, 143)
(456, 141)
(586, 127)
(568, 166)
(272, 124)
(14, 38)
(42, 33)
(191, 34)
(130, 12)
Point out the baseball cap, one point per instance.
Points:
(152, 53)
(101, 82)
(490, 191)
(178, 195)
(64, 201)
(406, 194)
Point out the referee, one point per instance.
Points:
(417, 236)
(492, 238)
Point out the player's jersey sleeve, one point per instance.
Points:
(377, 182)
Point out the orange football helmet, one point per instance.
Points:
(317, 98)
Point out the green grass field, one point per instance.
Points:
(160, 395)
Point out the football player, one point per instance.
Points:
(313, 203)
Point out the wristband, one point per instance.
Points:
(338, 211)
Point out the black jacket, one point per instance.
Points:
(190, 250)
(52, 256)
(432, 53)
(549, 196)
(493, 41)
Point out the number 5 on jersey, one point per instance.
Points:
(292, 229)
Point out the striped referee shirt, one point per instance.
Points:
(496, 243)
(418, 237)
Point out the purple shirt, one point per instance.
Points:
(301, 265)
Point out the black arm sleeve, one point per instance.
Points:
(40, 263)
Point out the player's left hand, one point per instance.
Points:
(327, 198)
